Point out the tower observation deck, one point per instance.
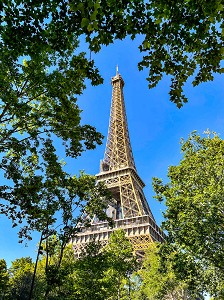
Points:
(129, 210)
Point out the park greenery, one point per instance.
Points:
(158, 279)
(97, 274)
(108, 273)
(43, 71)
(194, 216)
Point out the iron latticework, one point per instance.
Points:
(118, 154)
(130, 209)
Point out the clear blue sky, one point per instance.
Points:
(155, 127)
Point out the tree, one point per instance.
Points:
(39, 84)
(158, 279)
(179, 37)
(89, 274)
(52, 283)
(20, 273)
(194, 216)
(182, 39)
(83, 195)
(100, 273)
(4, 279)
(122, 263)
(57, 282)
(103, 273)
(35, 111)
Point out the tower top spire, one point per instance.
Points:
(118, 154)
(117, 70)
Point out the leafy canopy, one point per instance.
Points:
(194, 216)
(103, 273)
(158, 279)
(39, 87)
(4, 278)
(93, 276)
(180, 38)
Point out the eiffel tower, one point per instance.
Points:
(130, 210)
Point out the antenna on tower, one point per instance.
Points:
(117, 70)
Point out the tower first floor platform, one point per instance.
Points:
(141, 231)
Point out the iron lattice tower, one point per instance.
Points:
(130, 209)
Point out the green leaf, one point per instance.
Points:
(84, 23)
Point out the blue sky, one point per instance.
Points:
(155, 127)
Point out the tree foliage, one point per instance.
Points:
(4, 278)
(20, 273)
(89, 274)
(158, 279)
(39, 86)
(180, 38)
(122, 263)
(56, 272)
(103, 273)
(194, 216)
(100, 273)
